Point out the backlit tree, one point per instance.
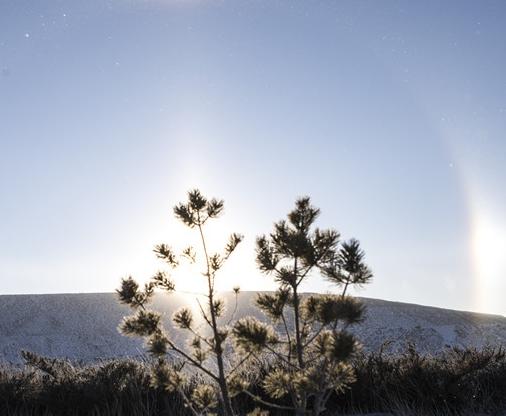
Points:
(207, 348)
(312, 350)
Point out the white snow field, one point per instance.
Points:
(84, 326)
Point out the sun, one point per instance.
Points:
(189, 276)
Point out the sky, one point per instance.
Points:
(390, 115)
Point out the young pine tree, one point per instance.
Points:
(207, 351)
(313, 349)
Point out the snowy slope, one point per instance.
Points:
(84, 326)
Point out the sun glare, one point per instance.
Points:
(189, 277)
(489, 258)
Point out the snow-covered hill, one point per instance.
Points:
(84, 326)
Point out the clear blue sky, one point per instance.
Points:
(391, 115)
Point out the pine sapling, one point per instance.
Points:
(207, 352)
(311, 354)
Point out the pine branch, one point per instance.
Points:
(281, 357)
(289, 338)
(318, 332)
(190, 359)
(266, 403)
(232, 316)
(204, 315)
(237, 366)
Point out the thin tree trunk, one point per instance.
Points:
(345, 287)
(227, 405)
(318, 404)
(298, 340)
(302, 401)
(222, 381)
(296, 308)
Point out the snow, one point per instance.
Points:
(84, 326)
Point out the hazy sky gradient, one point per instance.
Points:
(391, 115)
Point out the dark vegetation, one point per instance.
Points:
(455, 382)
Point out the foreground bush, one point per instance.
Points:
(56, 387)
(457, 381)
(453, 383)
